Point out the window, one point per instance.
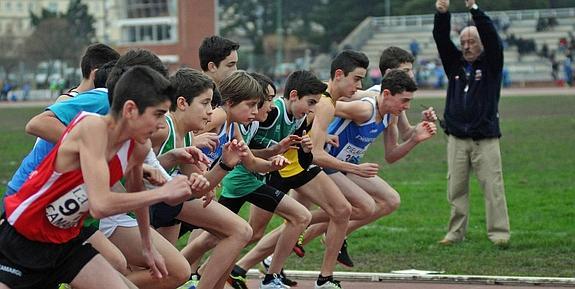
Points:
(147, 8)
(148, 33)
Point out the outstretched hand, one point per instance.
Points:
(233, 152)
(442, 5)
(289, 142)
(189, 155)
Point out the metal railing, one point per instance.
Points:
(384, 23)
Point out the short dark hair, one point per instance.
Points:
(398, 81)
(189, 83)
(133, 57)
(239, 86)
(392, 57)
(348, 61)
(143, 85)
(215, 49)
(95, 56)
(216, 98)
(305, 83)
(264, 81)
(102, 74)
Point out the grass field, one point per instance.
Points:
(538, 149)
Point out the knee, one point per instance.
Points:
(388, 206)
(257, 235)
(211, 241)
(342, 212)
(243, 233)
(302, 219)
(179, 271)
(119, 262)
(365, 210)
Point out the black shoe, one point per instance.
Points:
(343, 256)
(237, 281)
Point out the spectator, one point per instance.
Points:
(568, 69)
(472, 121)
(414, 48)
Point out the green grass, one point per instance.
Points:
(538, 163)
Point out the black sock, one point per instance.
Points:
(198, 276)
(239, 271)
(268, 278)
(322, 280)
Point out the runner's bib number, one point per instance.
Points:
(69, 209)
(350, 153)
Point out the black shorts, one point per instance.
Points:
(164, 215)
(285, 184)
(31, 264)
(264, 197)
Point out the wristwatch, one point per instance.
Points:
(225, 167)
(474, 6)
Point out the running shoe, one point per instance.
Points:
(298, 248)
(333, 284)
(275, 283)
(343, 256)
(285, 280)
(191, 284)
(237, 281)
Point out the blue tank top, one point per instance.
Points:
(223, 137)
(354, 139)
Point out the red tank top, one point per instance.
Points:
(51, 206)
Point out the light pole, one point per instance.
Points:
(279, 34)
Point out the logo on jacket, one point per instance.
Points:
(478, 75)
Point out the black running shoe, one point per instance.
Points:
(237, 281)
(343, 256)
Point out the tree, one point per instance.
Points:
(9, 58)
(60, 37)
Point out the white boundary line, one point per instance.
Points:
(440, 278)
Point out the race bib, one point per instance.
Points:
(69, 209)
(350, 153)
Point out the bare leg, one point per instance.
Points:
(170, 233)
(233, 231)
(297, 218)
(129, 242)
(386, 199)
(98, 273)
(110, 252)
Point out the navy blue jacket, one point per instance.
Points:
(472, 112)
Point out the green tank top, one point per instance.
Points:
(170, 142)
(240, 181)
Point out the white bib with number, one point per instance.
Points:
(66, 211)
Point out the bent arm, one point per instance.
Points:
(393, 150)
(323, 115)
(46, 126)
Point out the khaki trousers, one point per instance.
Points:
(484, 158)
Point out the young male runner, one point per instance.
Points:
(43, 241)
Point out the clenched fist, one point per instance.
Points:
(442, 5)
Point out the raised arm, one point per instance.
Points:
(448, 52)
(490, 39)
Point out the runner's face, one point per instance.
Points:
(400, 101)
(350, 83)
(244, 112)
(199, 111)
(226, 67)
(267, 106)
(305, 105)
(147, 123)
(408, 68)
